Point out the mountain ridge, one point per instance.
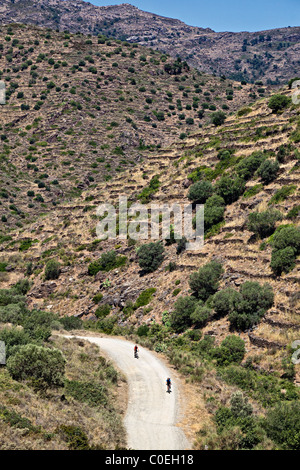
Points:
(269, 55)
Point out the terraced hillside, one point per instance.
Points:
(251, 162)
(69, 232)
(81, 109)
(271, 55)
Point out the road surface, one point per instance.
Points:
(152, 413)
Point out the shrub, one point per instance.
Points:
(255, 301)
(278, 103)
(225, 301)
(37, 362)
(282, 424)
(232, 349)
(283, 193)
(37, 324)
(13, 337)
(287, 236)
(150, 256)
(205, 282)
(75, 437)
(145, 297)
(71, 323)
(218, 118)
(248, 166)
(268, 171)
(230, 188)
(283, 260)
(142, 330)
(52, 270)
(181, 316)
(200, 192)
(200, 316)
(103, 310)
(263, 223)
(213, 211)
(107, 262)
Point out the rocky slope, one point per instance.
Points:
(271, 56)
(79, 110)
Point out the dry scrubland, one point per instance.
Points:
(82, 109)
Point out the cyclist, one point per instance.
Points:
(136, 349)
(168, 383)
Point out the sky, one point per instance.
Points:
(222, 15)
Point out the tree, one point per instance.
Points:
(52, 270)
(181, 316)
(200, 315)
(218, 118)
(283, 260)
(263, 223)
(205, 282)
(225, 301)
(255, 301)
(37, 362)
(200, 192)
(268, 171)
(150, 256)
(232, 349)
(278, 103)
(213, 211)
(230, 188)
(282, 425)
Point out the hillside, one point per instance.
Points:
(271, 56)
(122, 300)
(79, 110)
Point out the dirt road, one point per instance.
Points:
(152, 413)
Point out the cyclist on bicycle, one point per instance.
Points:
(136, 349)
(168, 383)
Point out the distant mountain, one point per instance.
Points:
(271, 56)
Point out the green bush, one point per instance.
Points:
(106, 263)
(232, 349)
(75, 437)
(150, 256)
(248, 166)
(181, 316)
(213, 211)
(200, 315)
(263, 223)
(268, 171)
(103, 310)
(230, 188)
(282, 424)
(278, 103)
(218, 118)
(283, 260)
(71, 323)
(13, 337)
(205, 282)
(37, 324)
(255, 301)
(52, 270)
(37, 362)
(200, 192)
(144, 298)
(225, 301)
(87, 392)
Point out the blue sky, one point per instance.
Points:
(223, 15)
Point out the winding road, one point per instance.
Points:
(152, 413)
